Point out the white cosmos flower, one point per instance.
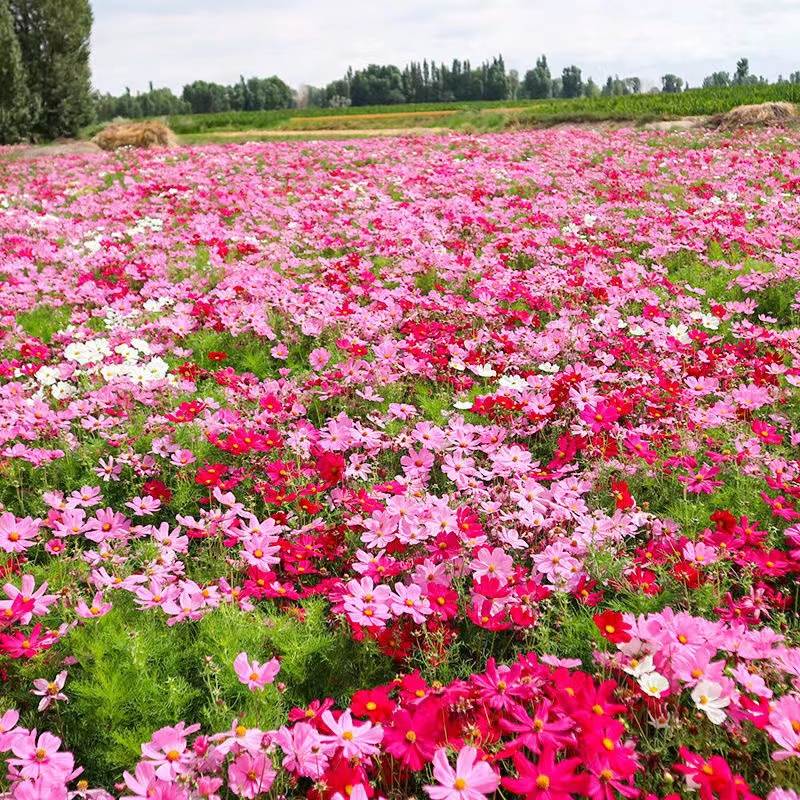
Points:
(483, 370)
(62, 390)
(680, 332)
(515, 382)
(47, 376)
(640, 666)
(548, 367)
(653, 684)
(707, 696)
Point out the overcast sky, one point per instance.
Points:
(173, 42)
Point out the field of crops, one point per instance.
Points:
(459, 467)
(697, 102)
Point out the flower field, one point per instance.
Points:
(446, 468)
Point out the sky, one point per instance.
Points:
(174, 42)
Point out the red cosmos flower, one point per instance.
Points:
(269, 402)
(585, 594)
(622, 495)
(374, 704)
(713, 776)
(187, 371)
(210, 475)
(330, 467)
(157, 490)
(724, 520)
(687, 574)
(644, 579)
(312, 713)
(612, 627)
(215, 355)
(443, 600)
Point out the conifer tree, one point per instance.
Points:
(14, 98)
(54, 40)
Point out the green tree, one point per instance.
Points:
(14, 98)
(671, 84)
(716, 80)
(538, 82)
(496, 85)
(571, 82)
(54, 41)
(741, 77)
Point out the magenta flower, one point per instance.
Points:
(255, 675)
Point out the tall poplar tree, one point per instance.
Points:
(54, 39)
(14, 98)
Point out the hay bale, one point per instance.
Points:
(135, 134)
(760, 114)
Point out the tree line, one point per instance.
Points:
(418, 82)
(199, 97)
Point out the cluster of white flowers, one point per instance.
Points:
(51, 377)
(92, 351)
(155, 369)
(116, 319)
(147, 224)
(157, 303)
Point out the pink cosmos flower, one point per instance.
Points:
(168, 750)
(251, 774)
(27, 594)
(306, 754)
(318, 358)
(40, 758)
(356, 741)
(98, 608)
(8, 731)
(410, 600)
(50, 691)
(239, 738)
(17, 535)
(255, 675)
(472, 779)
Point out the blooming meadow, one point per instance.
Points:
(451, 468)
